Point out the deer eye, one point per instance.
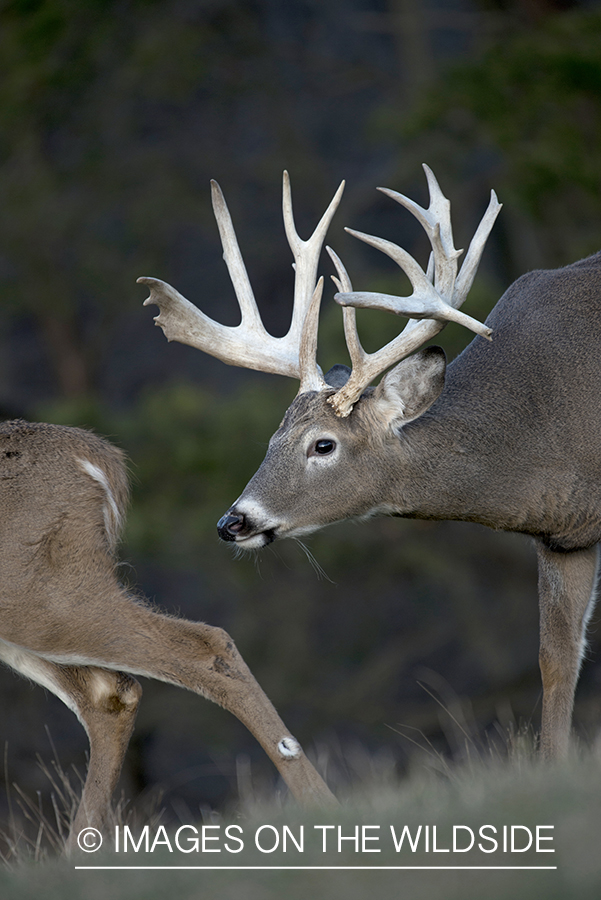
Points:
(322, 447)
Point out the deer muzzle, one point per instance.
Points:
(238, 527)
(230, 526)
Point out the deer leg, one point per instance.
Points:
(131, 637)
(567, 584)
(205, 659)
(106, 703)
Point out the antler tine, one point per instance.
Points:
(436, 302)
(476, 248)
(311, 376)
(349, 316)
(249, 344)
(249, 347)
(404, 260)
(436, 222)
(305, 316)
(424, 303)
(365, 366)
(233, 259)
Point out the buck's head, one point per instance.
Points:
(319, 467)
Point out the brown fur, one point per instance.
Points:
(66, 622)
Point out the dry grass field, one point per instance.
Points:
(407, 837)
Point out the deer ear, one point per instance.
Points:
(408, 390)
(337, 376)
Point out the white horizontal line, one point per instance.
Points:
(324, 868)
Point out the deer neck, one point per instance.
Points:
(462, 461)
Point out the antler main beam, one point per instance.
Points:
(436, 295)
(249, 344)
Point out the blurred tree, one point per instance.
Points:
(526, 116)
(113, 117)
(79, 176)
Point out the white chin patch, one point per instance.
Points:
(258, 517)
(255, 542)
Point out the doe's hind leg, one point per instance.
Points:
(106, 703)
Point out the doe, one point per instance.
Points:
(67, 624)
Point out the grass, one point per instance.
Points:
(484, 789)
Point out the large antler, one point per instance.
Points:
(436, 296)
(249, 344)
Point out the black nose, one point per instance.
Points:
(229, 526)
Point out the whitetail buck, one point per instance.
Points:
(67, 624)
(508, 438)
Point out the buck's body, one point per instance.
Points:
(514, 440)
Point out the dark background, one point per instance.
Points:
(114, 115)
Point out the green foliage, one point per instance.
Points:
(95, 183)
(538, 98)
(530, 104)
